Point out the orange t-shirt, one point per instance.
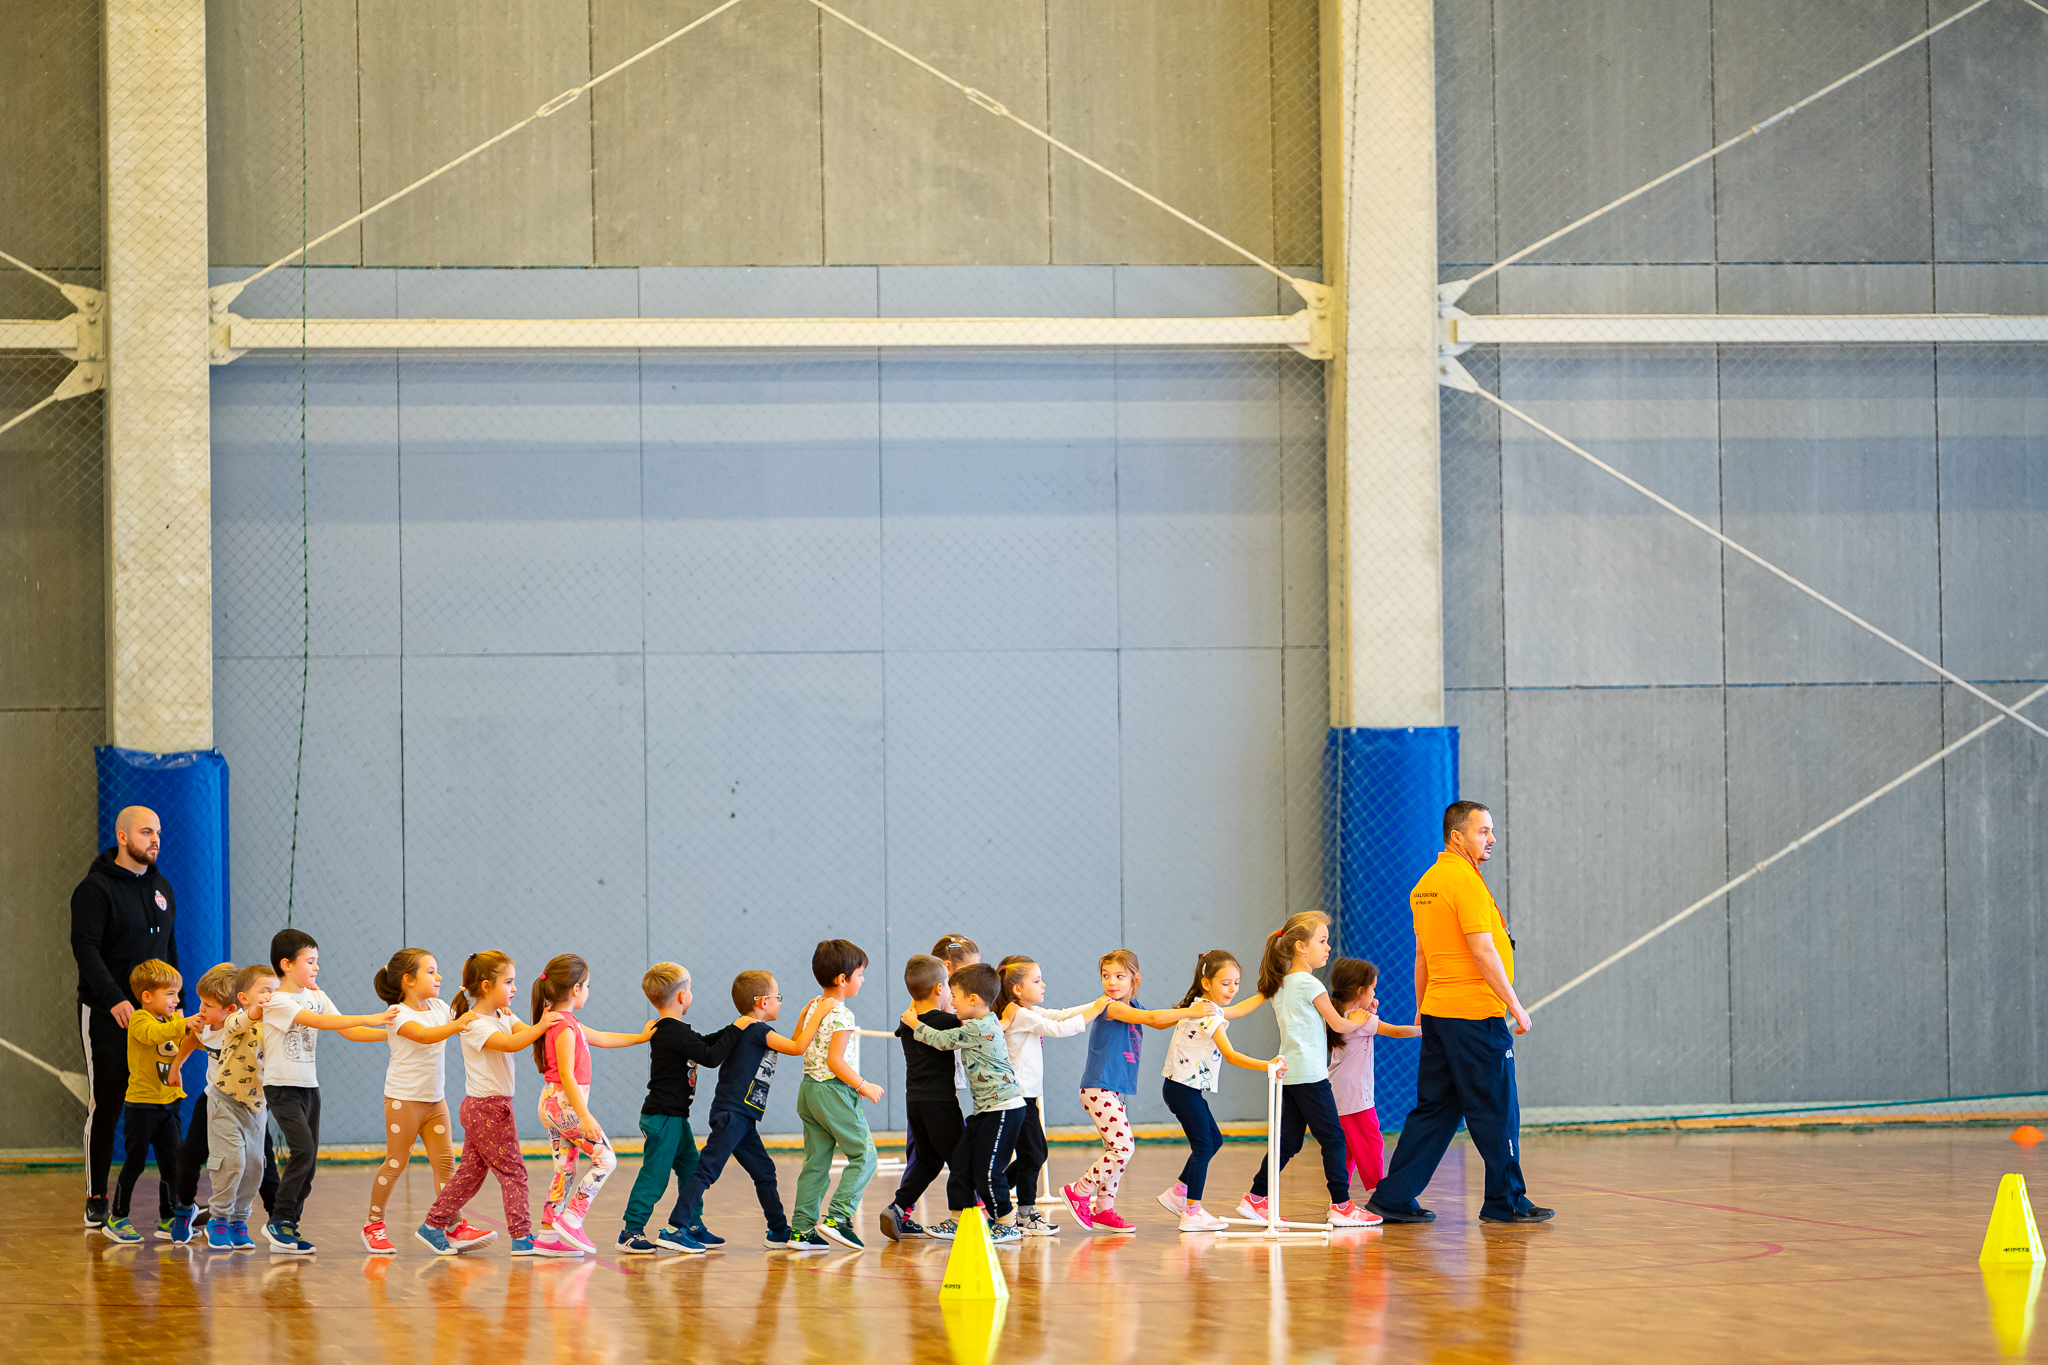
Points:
(1450, 902)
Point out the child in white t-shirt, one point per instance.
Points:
(293, 1020)
(1351, 990)
(415, 1081)
(1191, 1073)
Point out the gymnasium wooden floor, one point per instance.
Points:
(1676, 1248)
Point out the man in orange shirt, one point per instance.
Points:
(1465, 983)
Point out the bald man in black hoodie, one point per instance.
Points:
(122, 914)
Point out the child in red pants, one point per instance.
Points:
(1352, 991)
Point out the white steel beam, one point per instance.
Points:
(1727, 329)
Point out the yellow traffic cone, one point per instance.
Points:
(2012, 1237)
(972, 1271)
(2012, 1288)
(974, 1326)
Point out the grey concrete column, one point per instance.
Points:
(1379, 248)
(159, 481)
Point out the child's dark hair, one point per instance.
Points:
(1278, 960)
(749, 987)
(955, 949)
(923, 975)
(1350, 977)
(389, 982)
(834, 958)
(1011, 969)
(1206, 967)
(552, 989)
(979, 980)
(286, 945)
(479, 970)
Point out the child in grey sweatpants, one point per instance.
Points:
(234, 1115)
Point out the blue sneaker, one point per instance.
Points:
(122, 1231)
(675, 1239)
(238, 1233)
(633, 1242)
(181, 1225)
(523, 1246)
(436, 1239)
(704, 1234)
(218, 1238)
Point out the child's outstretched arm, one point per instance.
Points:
(1125, 1014)
(1375, 1024)
(420, 1033)
(600, 1038)
(1337, 1022)
(1236, 1058)
(944, 1039)
(522, 1037)
(1245, 1006)
(835, 1061)
(357, 1028)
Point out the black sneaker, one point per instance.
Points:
(897, 1224)
(1531, 1214)
(96, 1211)
(1410, 1215)
(808, 1241)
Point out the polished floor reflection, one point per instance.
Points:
(1673, 1248)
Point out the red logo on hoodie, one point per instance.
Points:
(161, 903)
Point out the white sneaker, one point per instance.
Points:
(1349, 1215)
(1175, 1200)
(1195, 1218)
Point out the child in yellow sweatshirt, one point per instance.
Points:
(159, 1040)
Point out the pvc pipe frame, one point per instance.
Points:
(1274, 1228)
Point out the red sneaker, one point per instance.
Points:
(375, 1239)
(1081, 1204)
(1252, 1206)
(465, 1235)
(1109, 1220)
(1349, 1215)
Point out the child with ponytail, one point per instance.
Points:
(490, 1133)
(1352, 985)
(1116, 1038)
(563, 1056)
(1027, 1023)
(415, 1081)
(1286, 974)
(1191, 1074)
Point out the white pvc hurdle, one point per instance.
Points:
(1273, 1228)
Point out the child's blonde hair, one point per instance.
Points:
(247, 977)
(1280, 945)
(480, 971)
(153, 975)
(954, 950)
(217, 986)
(662, 981)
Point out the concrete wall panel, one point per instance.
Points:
(1994, 511)
(1990, 136)
(707, 152)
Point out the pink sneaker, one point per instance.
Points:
(1252, 1206)
(1109, 1220)
(549, 1245)
(1081, 1204)
(1175, 1200)
(1195, 1218)
(1349, 1215)
(569, 1229)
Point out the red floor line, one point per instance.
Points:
(1730, 1208)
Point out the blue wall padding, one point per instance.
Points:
(1388, 790)
(189, 793)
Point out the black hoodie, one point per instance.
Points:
(119, 919)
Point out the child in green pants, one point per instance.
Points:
(675, 1053)
(828, 1102)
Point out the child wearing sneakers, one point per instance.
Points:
(931, 1113)
(490, 1133)
(674, 1054)
(237, 1143)
(1191, 1072)
(1351, 990)
(215, 992)
(298, 1013)
(159, 1040)
(990, 1141)
(1302, 1006)
(1027, 1023)
(828, 1100)
(415, 1086)
(740, 1098)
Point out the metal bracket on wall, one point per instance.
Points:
(1321, 314)
(1449, 373)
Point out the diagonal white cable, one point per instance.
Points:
(1000, 110)
(1721, 147)
(74, 1081)
(1785, 852)
(553, 106)
(1762, 563)
(2038, 5)
(56, 395)
(20, 264)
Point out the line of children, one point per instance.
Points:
(260, 1025)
